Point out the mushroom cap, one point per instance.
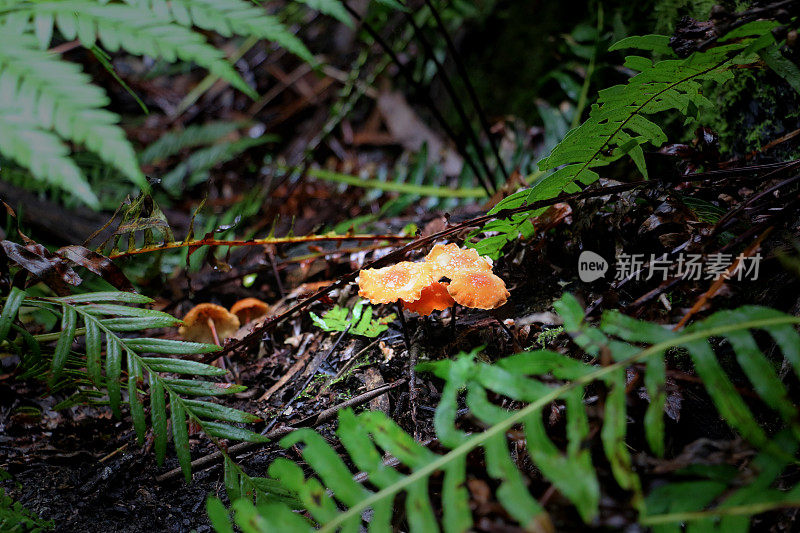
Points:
(248, 309)
(433, 298)
(447, 259)
(401, 281)
(480, 289)
(196, 328)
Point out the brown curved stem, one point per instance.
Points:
(196, 243)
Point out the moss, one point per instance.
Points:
(755, 108)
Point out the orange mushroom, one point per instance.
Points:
(401, 281)
(433, 298)
(209, 323)
(480, 289)
(249, 309)
(446, 259)
(418, 287)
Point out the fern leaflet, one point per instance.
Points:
(361, 322)
(232, 17)
(15, 517)
(136, 30)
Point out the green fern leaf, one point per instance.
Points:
(195, 169)
(736, 496)
(334, 8)
(10, 310)
(15, 517)
(180, 434)
(69, 319)
(59, 97)
(617, 125)
(135, 377)
(136, 30)
(101, 314)
(173, 142)
(231, 17)
(361, 323)
(158, 414)
(43, 153)
(113, 372)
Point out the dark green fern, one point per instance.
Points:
(123, 365)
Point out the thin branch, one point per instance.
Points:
(258, 242)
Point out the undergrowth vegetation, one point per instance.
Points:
(48, 101)
(528, 378)
(618, 125)
(515, 428)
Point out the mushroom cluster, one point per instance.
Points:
(212, 323)
(419, 288)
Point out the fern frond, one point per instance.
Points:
(43, 153)
(336, 501)
(334, 8)
(233, 17)
(133, 29)
(104, 316)
(55, 95)
(733, 496)
(360, 323)
(195, 168)
(618, 125)
(173, 142)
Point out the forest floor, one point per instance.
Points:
(82, 468)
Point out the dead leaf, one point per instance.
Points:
(99, 264)
(410, 132)
(36, 259)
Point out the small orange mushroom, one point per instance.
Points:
(480, 289)
(433, 298)
(401, 281)
(209, 323)
(417, 285)
(446, 259)
(249, 309)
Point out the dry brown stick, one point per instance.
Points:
(296, 367)
(209, 460)
(257, 242)
(328, 413)
(413, 355)
(720, 281)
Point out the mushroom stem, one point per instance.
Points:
(213, 329)
(413, 355)
(508, 332)
(403, 325)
